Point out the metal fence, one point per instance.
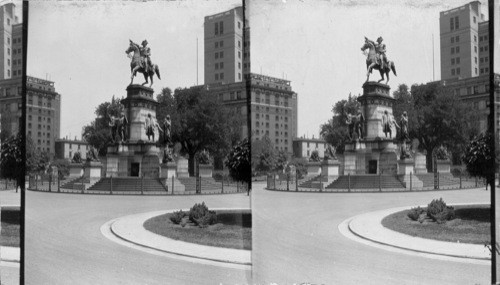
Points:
(55, 183)
(372, 183)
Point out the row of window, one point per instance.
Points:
(483, 38)
(219, 28)
(277, 126)
(219, 55)
(39, 126)
(277, 118)
(267, 109)
(485, 48)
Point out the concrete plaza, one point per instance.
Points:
(64, 244)
(296, 240)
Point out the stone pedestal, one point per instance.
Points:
(92, 171)
(406, 174)
(370, 156)
(182, 168)
(205, 170)
(420, 163)
(313, 169)
(168, 170)
(330, 167)
(75, 170)
(139, 103)
(375, 101)
(443, 166)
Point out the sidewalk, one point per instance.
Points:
(130, 228)
(369, 226)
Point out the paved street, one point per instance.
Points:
(64, 244)
(296, 240)
(10, 270)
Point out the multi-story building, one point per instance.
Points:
(11, 71)
(465, 57)
(227, 64)
(303, 147)
(464, 42)
(10, 29)
(66, 148)
(43, 114)
(224, 47)
(10, 106)
(274, 110)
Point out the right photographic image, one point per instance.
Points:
(374, 127)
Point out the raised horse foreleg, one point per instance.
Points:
(382, 75)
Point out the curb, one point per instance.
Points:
(130, 229)
(359, 225)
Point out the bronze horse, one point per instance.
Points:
(372, 63)
(136, 65)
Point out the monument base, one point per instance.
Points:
(168, 170)
(313, 169)
(443, 166)
(407, 174)
(75, 170)
(370, 157)
(205, 170)
(330, 168)
(133, 159)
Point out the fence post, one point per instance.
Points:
(287, 182)
(274, 181)
(460, 176)
(36, 181)
(380, 181)
(411, 176)
(349, 182)
(296, 180)
(111, 185)
(438, 180)
(172, 185)
(142, 184)
(238, 186)
(222, 191)
(476, 180)
(58, 181)
(83, 186)
(50, 183)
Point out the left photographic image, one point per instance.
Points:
(11, 139)
(137, 114)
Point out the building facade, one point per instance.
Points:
(65, 148)
(10, 41)
(464, 42)
(43, 114)
(224, 47)
(274, 110)
(303, 147)
(10, 106)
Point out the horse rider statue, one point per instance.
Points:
(145, 52)
(380, 49)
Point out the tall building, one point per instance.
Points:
(11, 29)
(223, 41)
(43, 114)
(11, 71)
(274, 110)
(464, 42)
(465, 58)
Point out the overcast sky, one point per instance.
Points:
(316, 45)
(80, 45)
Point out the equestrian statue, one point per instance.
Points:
(141, 62)
(376, 59)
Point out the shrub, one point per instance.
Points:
(209, 219)
(197, 212)
(415, 213)
(177, 216)
(439, 212)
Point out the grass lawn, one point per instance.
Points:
(232, 230)
(11, 228)
(471, 225)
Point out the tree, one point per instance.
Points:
(300, 164)
(98, 132)
(439, 117)
(12, 159)
(263, 155)
(200, 121)
(479, 157)
(238, 163)
(335, 131)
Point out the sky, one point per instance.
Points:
(80, 46)
(317, 46)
